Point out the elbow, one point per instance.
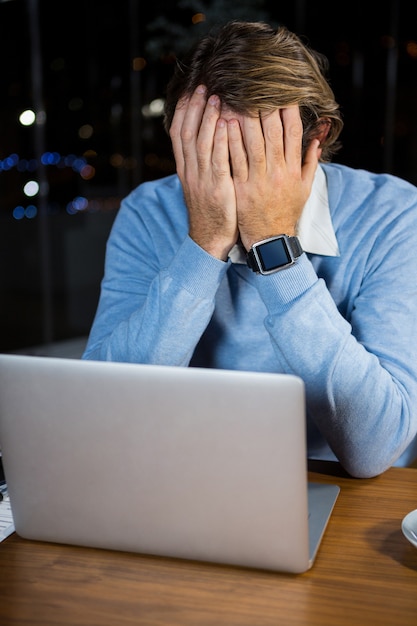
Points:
(365, 469)
(372, 461)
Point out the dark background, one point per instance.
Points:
(95, 68)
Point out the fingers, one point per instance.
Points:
(220, 156)
(175, 133)
(292, 136)
(237, 151)
(311, 161)
(185, 127)
(193, 131)
(284, 138)
(283, 132)
(209, 134)
(265, 144)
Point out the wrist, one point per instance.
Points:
(216, 246)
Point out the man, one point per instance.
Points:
(262, 255)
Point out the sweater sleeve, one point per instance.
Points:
(360, 376)
(157, 294)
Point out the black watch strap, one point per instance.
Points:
(295, 246)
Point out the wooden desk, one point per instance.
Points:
(365, 574)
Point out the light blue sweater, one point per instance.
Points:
(346, 325)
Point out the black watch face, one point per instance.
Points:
(273, 254)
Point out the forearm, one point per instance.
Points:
(163, 325)
(157, 332)
(360, 399)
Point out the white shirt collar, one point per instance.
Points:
(315, 229)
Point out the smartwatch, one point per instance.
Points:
(274, 254)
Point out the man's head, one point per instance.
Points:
(254, 69)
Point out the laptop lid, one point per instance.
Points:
(192, 463)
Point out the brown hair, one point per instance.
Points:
(255, 68)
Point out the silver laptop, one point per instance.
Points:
(192, 463)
